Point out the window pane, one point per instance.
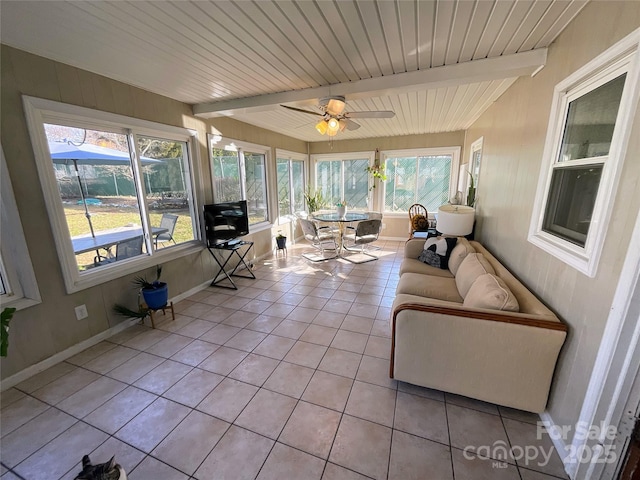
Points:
(98, 193)
(590, 122)
(421, 179)
(329, 180)
(284, 190)
(356, 183)
(572, 197)
(3, 289)
(297, 172)
(343, 180)
(226, 175)
(255, 187)
(169, 196)
(290, 187)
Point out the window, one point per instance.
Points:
(119, 190)
(344, 177)
(425, 176)
(18, 287)
(291, 182)
(586, 144)
(239, 173)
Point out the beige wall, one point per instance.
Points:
(396, 226)
(43, 330)
(514, 131)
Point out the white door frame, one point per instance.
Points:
(610, 388)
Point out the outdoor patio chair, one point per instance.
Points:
(127, 249)
(320, 238)
(168, 221)
(367, 231)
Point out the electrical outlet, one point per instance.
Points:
(384, 225)
(81, 312)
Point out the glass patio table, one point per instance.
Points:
(342, 221)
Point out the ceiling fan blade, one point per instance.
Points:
(302, 111)
(351, 125)
(372, 114)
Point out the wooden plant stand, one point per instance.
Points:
(168, 306)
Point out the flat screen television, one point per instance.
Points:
(225, 221)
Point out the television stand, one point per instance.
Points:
(235, 248)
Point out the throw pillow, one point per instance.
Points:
(419, 223)
(474, 265)
(490, 292)
(461, 250)
(437, 251)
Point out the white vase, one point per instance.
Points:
(341, 211)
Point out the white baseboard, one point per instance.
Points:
(79, 347)
(61, 356)
(559, 445)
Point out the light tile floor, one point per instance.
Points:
(285, 378)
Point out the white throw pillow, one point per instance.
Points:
(459, 253)
(490, 292)
(474, 265)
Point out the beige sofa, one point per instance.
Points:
(474, 332)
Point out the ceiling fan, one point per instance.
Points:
(334, 117)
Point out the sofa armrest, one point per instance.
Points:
(413, 248)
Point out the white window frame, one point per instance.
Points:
(622, 57)
(240, 146)
(40, 111)
(16, 269)
(419, 152)
(291, 157)
(324, 157)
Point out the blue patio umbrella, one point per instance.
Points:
(64, 153)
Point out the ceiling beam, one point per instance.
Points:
(506, 66)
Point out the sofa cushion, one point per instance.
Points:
(439, 288)
(471, 268)
(413, 265)
(437, 251)
(489, 291)
(459, 253)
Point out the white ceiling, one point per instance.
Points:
(437, 63)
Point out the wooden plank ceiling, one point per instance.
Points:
(435, 63)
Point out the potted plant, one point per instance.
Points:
(155, 296)
(341, 208)
(5, 318)
(155, 293)
(471, 194)
(281, 240)
(315, 201)
(377, 171)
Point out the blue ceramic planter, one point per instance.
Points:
(157, 297)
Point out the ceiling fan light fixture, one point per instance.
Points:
(335, 106)
(333, 125)
(343, 125)
(322, 126)
(332, 133)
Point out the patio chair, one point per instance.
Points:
(127, 249)
(320, 238)
(418, 221)
(168, 221)
(367, 231)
